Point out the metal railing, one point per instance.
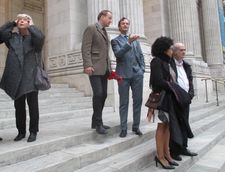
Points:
(216, 81)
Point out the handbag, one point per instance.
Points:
(155, 99)
(41, 81)
(153, 102)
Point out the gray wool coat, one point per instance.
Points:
(20, 68)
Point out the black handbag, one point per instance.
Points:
(41, 81)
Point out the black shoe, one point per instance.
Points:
(176, 157)
(32, 137)
(169, 167)
(123, 133)
(137, 131)
(187, 152)
(19, 137)
(104, 126)
(1, 139)
(101, 130)
(172, 162)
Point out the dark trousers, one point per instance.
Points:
(20, 106)
(175, 148)
(99, 88)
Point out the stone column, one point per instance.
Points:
(95, 6)
(181, 23)
(4, 7)
(65, 23)
(133, 10)
(196, 30)
(212, 35)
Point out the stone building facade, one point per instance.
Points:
(193, 22)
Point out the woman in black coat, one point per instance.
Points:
(24, 49)
(161, 74)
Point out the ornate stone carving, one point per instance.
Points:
(62, 61)
(52, 62)
(67, 61)
(34, 5)
(74, 58)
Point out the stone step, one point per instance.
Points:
(48, 101)
(53, 86)
(48, 112)
(81, 155)
(62, 89)
(71, 158)
(57, 91)
(54, 136)
(9, 113)
(58, 95)
(212, 161)
(59, 86)
(201, 144)
(6, 123)
(134, 159)
(81, 101)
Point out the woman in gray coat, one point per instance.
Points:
(24, 47)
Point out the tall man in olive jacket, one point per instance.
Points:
(130, 66)
(185, 80)
(95, 47)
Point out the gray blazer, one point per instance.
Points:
(95, 48)
(125, 53)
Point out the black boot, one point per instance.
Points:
(19, 137)
(32, 137)
(101, 130)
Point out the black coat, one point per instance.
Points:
(20, 68)
(160, 79)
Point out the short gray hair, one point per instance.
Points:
(19, 16)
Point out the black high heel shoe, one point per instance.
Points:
(172, 162)
(169, 167)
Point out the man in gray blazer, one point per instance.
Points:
(130, 66)
(96, 62)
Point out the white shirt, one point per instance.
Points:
(182, 76)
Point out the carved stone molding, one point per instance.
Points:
(69, 60)
(34, 5)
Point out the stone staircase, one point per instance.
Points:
(66, 143)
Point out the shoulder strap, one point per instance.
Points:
(39, 61)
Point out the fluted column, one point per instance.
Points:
(181, 23)
(133, 10)
(95, 6)
(212, 36)
(196, 29)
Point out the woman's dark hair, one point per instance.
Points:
(161, 45)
